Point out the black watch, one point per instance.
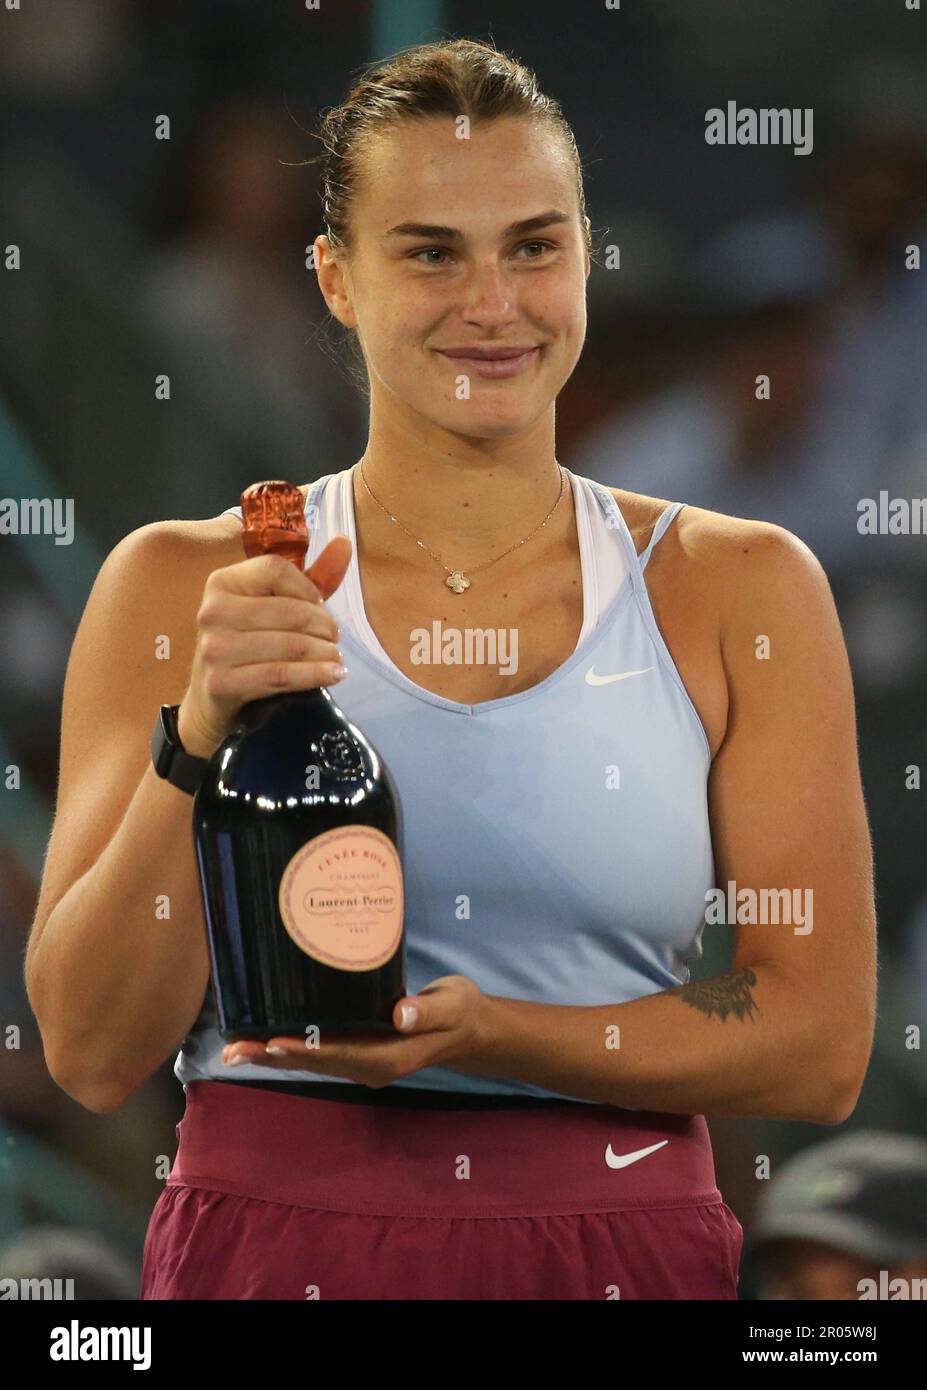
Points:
(170, 758)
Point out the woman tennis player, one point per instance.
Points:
(661, 706)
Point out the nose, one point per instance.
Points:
(488, 298)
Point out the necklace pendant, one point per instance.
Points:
(457, 581)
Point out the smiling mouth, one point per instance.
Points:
(489, 354)
(504, 362)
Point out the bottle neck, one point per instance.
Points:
(253, 714)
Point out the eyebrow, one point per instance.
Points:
(426, 229)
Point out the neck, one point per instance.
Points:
(468, 499)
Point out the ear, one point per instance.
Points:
(334, 282)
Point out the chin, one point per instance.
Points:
(494, 412)
(490, 427)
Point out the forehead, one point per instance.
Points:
(506, 169)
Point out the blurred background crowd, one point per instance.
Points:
(187, 256)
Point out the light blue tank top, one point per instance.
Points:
(557, 845)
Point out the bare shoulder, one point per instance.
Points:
(191, 537)
(149, 586)
(158, 571)
(166, 559)
(716, 584)
(736, 556)
(165, 564)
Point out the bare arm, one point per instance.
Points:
(106, 977)
(788, 1032)
(117, 963)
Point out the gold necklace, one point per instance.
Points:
(456, 580)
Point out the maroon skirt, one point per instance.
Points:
(287, 1196)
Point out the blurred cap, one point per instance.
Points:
(864, 1193)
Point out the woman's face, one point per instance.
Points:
(413, 294)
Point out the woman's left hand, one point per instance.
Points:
(448, 1030)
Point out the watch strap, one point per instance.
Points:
(171, 760)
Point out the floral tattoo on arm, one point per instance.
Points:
(723, 995)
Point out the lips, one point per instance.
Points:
(496, 354)
(492, 364)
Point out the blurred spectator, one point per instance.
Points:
(232, 292)
(842, 1220)
(706, 439)
(820, 301)
(48, 55)
(98, 1270)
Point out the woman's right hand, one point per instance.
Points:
(262, 629)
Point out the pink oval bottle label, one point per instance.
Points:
(341, 898)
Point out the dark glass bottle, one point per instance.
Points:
(298, 836)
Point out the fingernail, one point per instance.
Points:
(235, 1061)
(338, 672)
(275, 1051)
(407, 1015)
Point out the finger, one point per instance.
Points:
(329, 569)
(245, 614)
(251, 648)
(335, 1047)
(242, 684)
(264, 574)
(357, 1057)
(288, 1053)
(338, 1042)
(436, 1008)
(412, 1014)
(366, 1063)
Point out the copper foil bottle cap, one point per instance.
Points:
(274, 521)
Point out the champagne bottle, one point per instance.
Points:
(298, 837)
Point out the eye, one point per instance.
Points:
(427, 251)
(443, 251)
(544, 245)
